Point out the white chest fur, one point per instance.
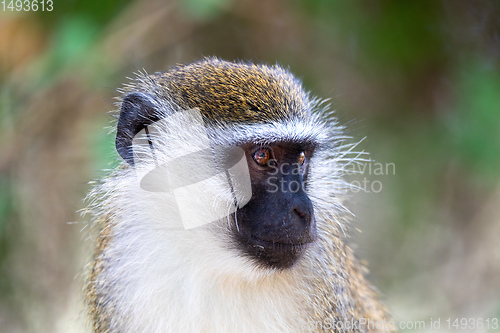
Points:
(185, 281)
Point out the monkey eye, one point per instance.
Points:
(302, 158)
(262, 156)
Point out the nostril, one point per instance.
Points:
(300, 213)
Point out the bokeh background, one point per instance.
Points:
(419, 80)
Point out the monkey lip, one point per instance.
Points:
(278, 255)
(282, 251)
(278, 246)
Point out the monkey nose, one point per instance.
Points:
(302, 220)
(302, 213)
(301, 207)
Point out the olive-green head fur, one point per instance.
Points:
(235, 92)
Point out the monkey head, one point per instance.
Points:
(266, 113)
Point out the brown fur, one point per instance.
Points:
(343, 282)
(98, 312)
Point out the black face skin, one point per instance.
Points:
(277, 224)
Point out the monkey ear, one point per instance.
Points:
(138, 110)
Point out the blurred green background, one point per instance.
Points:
(419, 79)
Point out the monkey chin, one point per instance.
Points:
(274, 255)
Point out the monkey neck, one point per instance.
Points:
(153, 280)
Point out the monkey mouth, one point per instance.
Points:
(280, 246)
(272, 254)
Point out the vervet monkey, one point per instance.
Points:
(227, 213)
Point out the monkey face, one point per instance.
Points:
(277, 224)
(266, 112)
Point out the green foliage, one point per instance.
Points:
(7, 232)
(72, 40)
(385, 35)
(103, 153)
(204, 10)
(6, 208)
(99, 12)
(475, 121)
